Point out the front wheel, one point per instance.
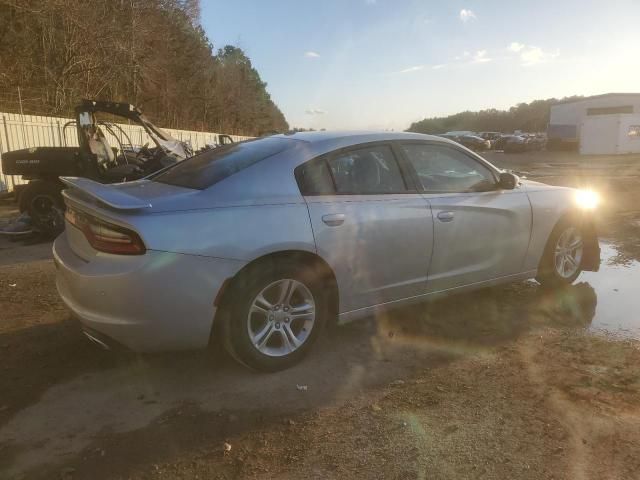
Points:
(276, 315)
(562, 260)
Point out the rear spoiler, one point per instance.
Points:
(111, 197)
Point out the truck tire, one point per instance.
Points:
(42, 200)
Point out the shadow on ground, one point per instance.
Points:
(113, 394)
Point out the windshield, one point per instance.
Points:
(208, 168)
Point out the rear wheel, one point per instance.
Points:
(562, 260)
(276, 314)
(42, 200)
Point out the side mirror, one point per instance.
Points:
(508, 181)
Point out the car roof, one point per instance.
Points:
(326, 141)
(275, 172)
(354, 137)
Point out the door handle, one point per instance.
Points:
(445, 216)
(333, 219)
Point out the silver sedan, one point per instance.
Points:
(265, 241)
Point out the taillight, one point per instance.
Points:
(104, 236)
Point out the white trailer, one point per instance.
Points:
(610, 134)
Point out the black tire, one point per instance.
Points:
(42, 200)
(237, 339)
(548, 274)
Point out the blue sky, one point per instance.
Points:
(378, 64)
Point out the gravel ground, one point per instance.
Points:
(501, 383)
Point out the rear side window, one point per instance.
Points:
(208, 168)
(364, 171)
(314, 178)
(367, 171)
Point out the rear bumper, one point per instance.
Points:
(159, 301)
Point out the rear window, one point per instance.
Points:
(208, 168)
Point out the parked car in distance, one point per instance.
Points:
(470, 141)
(459, 133)
(264, 242)
(491, 136)
(521, 142)
(474, 142)
(515, 144)
(537, 141)
(449, 136)
(498, 143)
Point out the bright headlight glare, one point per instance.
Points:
(587, 199)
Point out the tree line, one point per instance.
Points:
(151, 53)
(528, 117)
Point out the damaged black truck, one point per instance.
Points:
(105, 153)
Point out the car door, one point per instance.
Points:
(481, 232)
(373, 230)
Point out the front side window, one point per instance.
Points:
(366, 171)
(444, 169)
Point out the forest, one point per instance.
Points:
(151, 53)
(528, 117)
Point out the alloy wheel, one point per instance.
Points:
(568, 253)
(281, 317)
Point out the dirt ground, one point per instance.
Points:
(507, 382)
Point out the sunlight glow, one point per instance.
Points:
(587, 199)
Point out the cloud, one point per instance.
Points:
(311, 54)
(535, 55)
(481, 57)
(466, 15)
(370, 2)
(418, 68)
(468, 58)
(531, 55)
(415, 68)
(314, 111)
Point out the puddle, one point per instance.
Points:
(617, 287)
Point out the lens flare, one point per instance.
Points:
(587, 199)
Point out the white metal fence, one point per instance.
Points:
(27, 131)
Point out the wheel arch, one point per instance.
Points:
(231, 284)
(586, 220)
